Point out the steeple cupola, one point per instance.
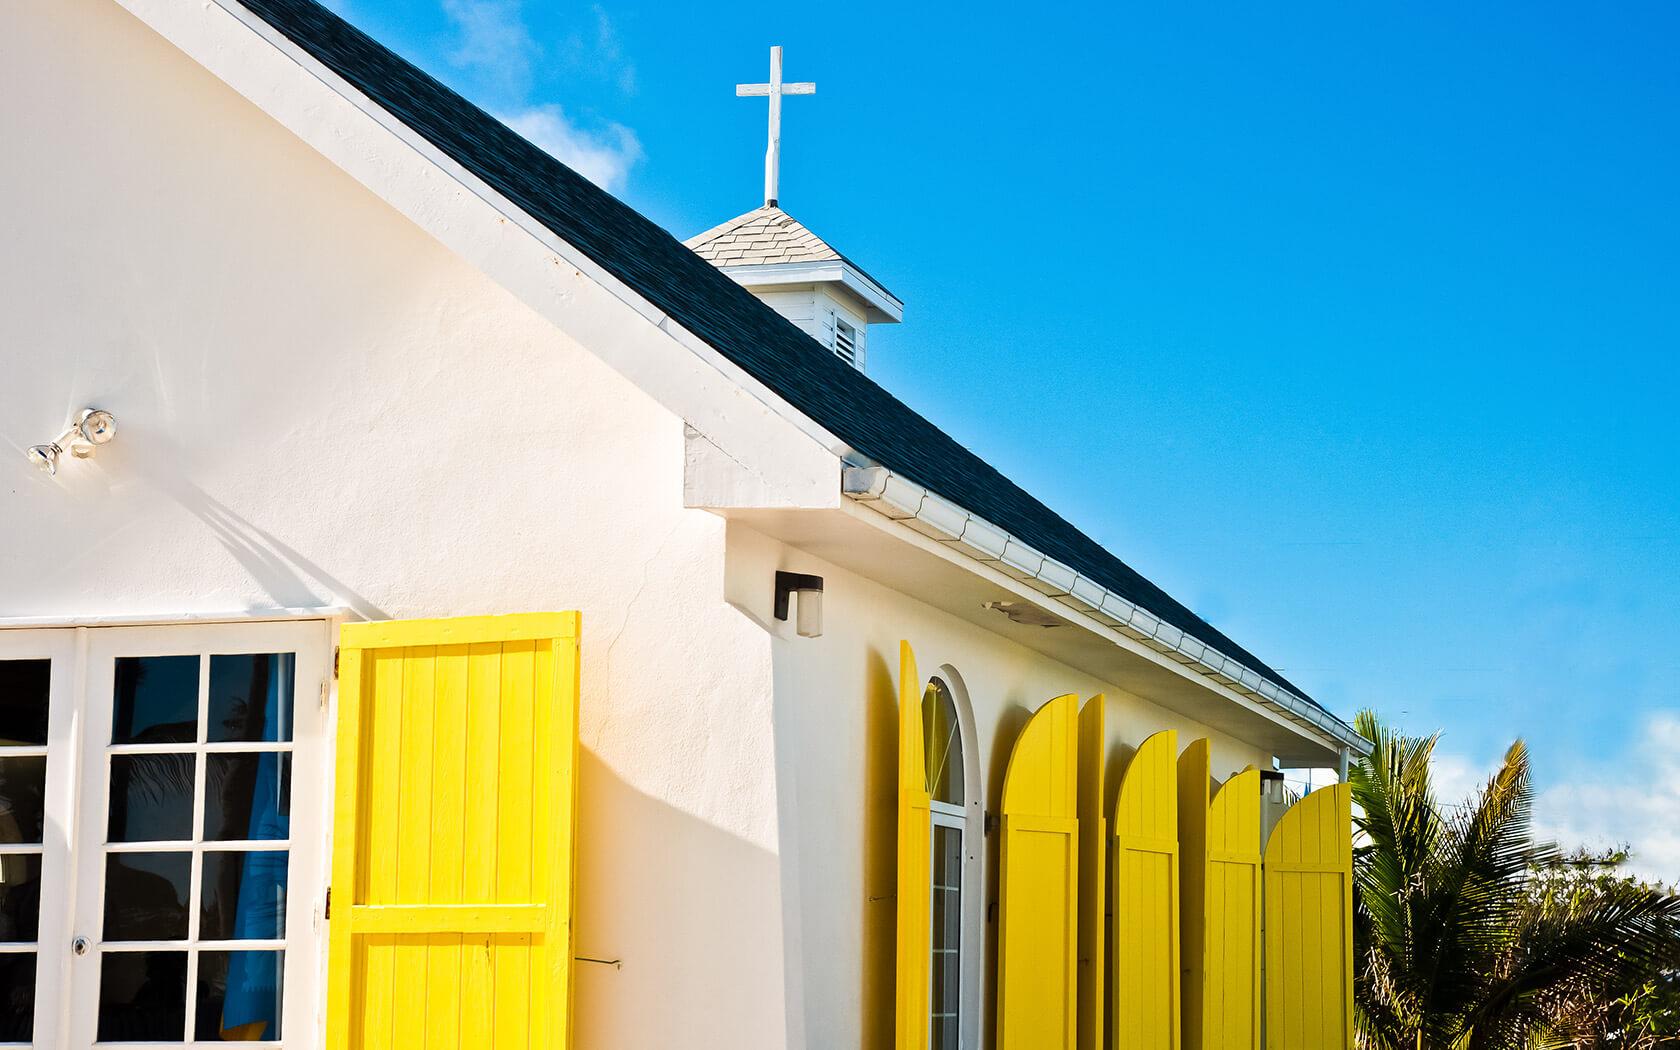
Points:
(771, 254)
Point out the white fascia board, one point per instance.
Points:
(552, 277)
(904, 501)
(883, 306)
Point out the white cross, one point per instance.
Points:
(775, 89)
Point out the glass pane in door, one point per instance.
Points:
(945, 1001)
(24, 695)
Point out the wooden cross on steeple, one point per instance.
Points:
(775, 89)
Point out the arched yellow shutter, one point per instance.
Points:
(1093, 852)
(914, 861)
(1309, 924)
(453, 830)
(1038, 934)
(1146, 1007)
(1231, 963)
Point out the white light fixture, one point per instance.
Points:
(810, 591)
(93, 427)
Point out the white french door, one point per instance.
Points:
(185, 815)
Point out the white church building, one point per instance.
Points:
(440, 608)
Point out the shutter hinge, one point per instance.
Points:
(326, 912)
(335, 663)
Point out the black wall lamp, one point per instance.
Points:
(809, 589)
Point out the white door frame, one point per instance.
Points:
(76, 803)
(51, 958)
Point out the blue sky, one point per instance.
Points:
(1355, 327)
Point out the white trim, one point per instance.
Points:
(885, 306)
(331, 613)
(896, 497)
(973, 815)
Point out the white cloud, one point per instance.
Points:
(494, 43)
(1631, 799)
(603, 157)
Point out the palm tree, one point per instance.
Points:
(1458, 944)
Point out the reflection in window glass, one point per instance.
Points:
(23, 701)
(239, 995)
(248, 796)
(146, 896)
(251, 697)
(142, 997)
(151, 798)
(156, 700)
(23, 786)
(942, 740)
(243, 897)
(20, 899)
(17, 997)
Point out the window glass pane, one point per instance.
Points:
(142, 996)
(156, 700)
(251, 697)
(23, 701)
(248, 796)
(23, 785)
(20, 898)
(146, 896)
(243, 897)
(17, 997)
(239, 995)
(945, 1002)
(942, 740)
(151, 798)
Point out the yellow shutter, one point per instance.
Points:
(1309, 924)
(1093, 851)
(914, 862)
(1146, 899)
(1231, 961)
(453, 859)
(1194, 784)
(1038, 934)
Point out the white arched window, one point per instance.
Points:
(953, 779)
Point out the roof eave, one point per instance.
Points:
(882, 306)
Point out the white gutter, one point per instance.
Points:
(932, 515)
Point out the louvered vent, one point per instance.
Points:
(845, 342)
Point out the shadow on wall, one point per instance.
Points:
(681, 904)
(880, 854)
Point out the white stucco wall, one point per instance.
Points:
(837, 721)
(319, 405)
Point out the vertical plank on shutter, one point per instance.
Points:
(414, 843)
(512, 953)
(350, 824)
(380, 874)
(540, 989)
(478, 862)
(449, 774)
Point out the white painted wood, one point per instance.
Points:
(775, 89)
(306, 846)
(51, 956)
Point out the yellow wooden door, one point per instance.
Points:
(914, 861)
(1038, 926)
(453, 860)
(1231, 953)
(1093, 854)
(1146, 978)
(1309, 924)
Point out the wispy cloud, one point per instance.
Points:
(1630, 798)
(604, 157)
(496, 47)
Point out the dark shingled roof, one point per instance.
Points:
(659, 268)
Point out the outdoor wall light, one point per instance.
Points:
(810, 590)
(93, 427)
